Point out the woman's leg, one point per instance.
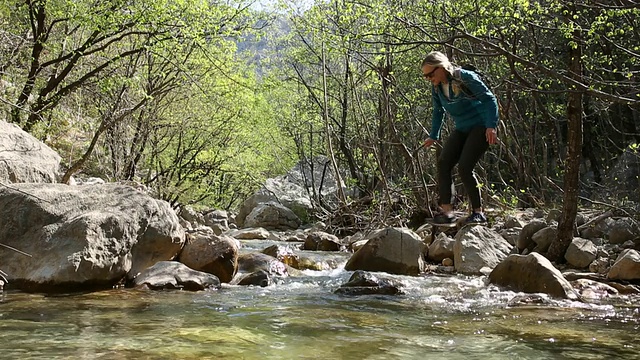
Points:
(474, 147)
(450, 155)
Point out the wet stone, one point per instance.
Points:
(364, 283)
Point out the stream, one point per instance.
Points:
(438, 316)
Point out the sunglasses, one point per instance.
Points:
(430, 73)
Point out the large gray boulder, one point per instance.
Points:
(477, 247)
(532, 273)
(24, 159)
(82, 236)
(272, 216)
(295, 189)
(392, 250)
(626, 267)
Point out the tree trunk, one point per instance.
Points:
(38, 18)
(566, 225)
(328, 131)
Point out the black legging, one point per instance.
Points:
(465, 149)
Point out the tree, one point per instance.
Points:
(524, 44)
(146, 92)
(75, 43)
(566, 226)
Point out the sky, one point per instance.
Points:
(267, 4)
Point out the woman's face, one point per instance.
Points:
(433, 74)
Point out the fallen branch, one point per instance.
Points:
(595, 220)
(16, 250)
(595, 202)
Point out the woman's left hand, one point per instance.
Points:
(492, 136)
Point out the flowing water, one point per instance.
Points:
(449, 317)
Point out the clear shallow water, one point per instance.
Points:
(450, 317)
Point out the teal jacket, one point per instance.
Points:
(479, 108)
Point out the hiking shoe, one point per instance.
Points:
(476, 218)
(443, 218)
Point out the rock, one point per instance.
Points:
(532, 273)
(597, 230)
(392, 250)
(93, 181)
(512, 222)
(537, 213)
(355, 241)
(529, 299)
(318, 226)
(83, 237)
(525, 239)
(364, 283)
(306, 263)
(322, 241)
(272, 216)
(593, 290)
(543, 238)
(511, 234)
(284, 254)
(622, 180)
(294, 189)
(210, 253)
(257, 278)
(581, 219)
(623, 230)
(249, 234)
(184, 223)
(174, 275)
(296, 236)
(192, 216)
(24, 159)
(477, 246)
(599, 266)
(441, 248)
(626, 266)
(553, 215)
(581, 253)
(219, 229)
(357, 245)
(252, 262)
(217, 218)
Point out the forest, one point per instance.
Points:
(201, 101)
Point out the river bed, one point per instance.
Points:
(438, 316)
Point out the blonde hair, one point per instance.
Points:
(438, 59)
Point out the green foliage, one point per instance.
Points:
(228, 135)
(158, 84)
(178, 99)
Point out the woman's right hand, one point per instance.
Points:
(429, 142)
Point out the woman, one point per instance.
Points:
(474, 110)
